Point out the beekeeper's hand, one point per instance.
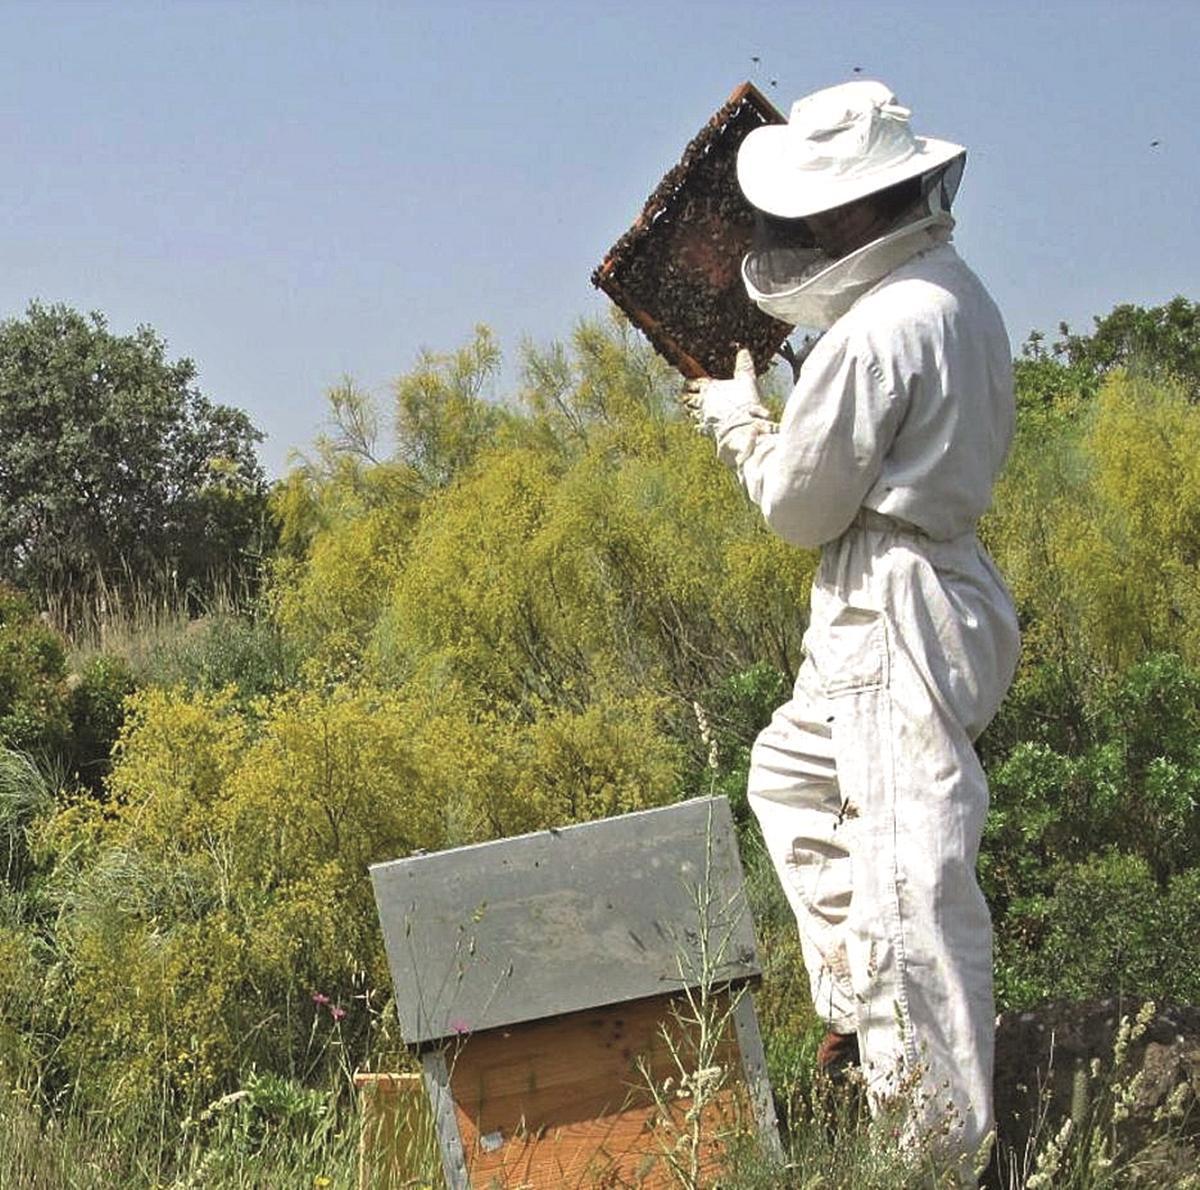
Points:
(716, 403)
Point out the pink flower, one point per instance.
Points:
(337, 1012)
(319, 998)
(459, 1027)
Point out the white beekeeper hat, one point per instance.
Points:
(839, 144)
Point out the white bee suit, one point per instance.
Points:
(866, 783)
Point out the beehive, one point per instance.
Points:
(550, 985)
(676, 271)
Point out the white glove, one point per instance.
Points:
(714, 403)
(730, 410)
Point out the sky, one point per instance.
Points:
(292, 193)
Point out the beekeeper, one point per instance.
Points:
(866, 784)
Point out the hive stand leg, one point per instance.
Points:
(437, 1083)
(754, 1068)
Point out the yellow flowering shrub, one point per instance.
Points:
(536, 577)
(1097, 528)
(609, 758)
(329, 602)
(227, 876)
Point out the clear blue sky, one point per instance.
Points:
(290, 192)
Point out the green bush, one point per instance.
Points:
(1134, 785)
(1107, 928)
(224, 650)
(1114, 822)
(734, 711)
(66, 722)
(33, 691)
(96, 707)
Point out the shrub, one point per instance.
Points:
(33, 693)
(225, 878)
(1107, 928)
(244, 651)
(96, 707)
(1097, 528)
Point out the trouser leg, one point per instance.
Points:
(900, 951)
(794, 794)
(919, 936)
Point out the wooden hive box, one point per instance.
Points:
(574, 993)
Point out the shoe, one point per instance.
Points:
(839, 1100)
(837, 1055)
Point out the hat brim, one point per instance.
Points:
(773, 179)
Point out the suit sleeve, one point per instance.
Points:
(811, 475)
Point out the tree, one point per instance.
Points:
(116, 473)
(1161, 343)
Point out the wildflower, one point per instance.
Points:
(1049, 1160)
(319, 998)
(459, 1027)
(337, 1012)
(1130, 1031)
(700, 1084)
(1176, 1104)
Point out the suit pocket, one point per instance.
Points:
(851, 653)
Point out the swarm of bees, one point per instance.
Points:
(676, 272)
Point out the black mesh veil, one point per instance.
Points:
(945, 180)
(784, 253)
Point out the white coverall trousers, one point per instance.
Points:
(872, 800)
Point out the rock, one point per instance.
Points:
(1057, 1061)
